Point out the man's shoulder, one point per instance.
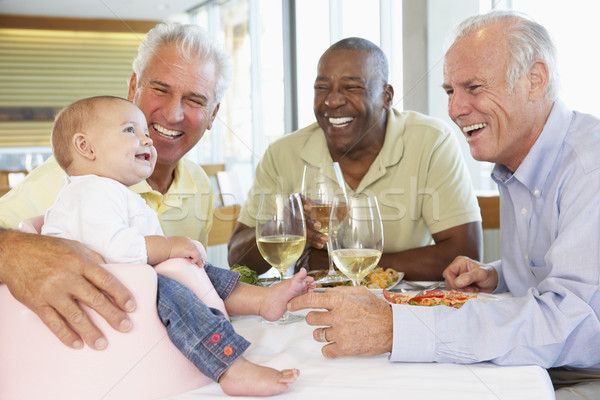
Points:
(584, 139)
(416, 122)
(296, 138)
(193, 168)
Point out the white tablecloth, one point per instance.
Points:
(292, 346)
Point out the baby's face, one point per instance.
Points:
(122, 146)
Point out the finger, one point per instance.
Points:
(319, 335)
(310, 300)
(348, 290)
(110, 285)
(73, 320)
(319, 318)
(466, 279)
(59, 328)
(331, 350)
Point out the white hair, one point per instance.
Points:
(192, 42)
(527, 40)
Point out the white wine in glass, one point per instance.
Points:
(356, 235)
(281, 235)
(320, 185)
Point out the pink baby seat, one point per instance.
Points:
(140, 364)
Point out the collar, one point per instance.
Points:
(315, 150)
(537, 165)
(181, 185)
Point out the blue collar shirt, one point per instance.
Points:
(550, 230)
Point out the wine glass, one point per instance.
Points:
(355, 235)
(320, 185)
(281, 235)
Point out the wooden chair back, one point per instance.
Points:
(5, 180)
(224, 221)
(212, 170)
(490, 211)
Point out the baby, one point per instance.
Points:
(102, 143)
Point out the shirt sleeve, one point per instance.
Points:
(554, 323)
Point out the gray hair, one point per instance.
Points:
(192, 42)
(527, 40)
(378, 58)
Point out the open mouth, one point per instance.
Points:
(474, 129)
(143, 157)
(167, 133)
(340, 122)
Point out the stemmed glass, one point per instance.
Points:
(281, 235)
(355, 235)
(320, 185)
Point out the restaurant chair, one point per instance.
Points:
(224, 221)
(212, 170)
(6, 178)
(490, 211)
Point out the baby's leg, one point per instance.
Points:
(208, 340)
(276, 297)
(244, 378)
(201, 333)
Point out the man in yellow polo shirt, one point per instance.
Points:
(180, 76)
(411, 162)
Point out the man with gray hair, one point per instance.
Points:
(179, 78)
(501, 82)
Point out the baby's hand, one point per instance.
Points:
(184, 247)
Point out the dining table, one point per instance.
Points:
(292, 346)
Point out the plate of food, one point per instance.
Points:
(377, 280)
(449, 298)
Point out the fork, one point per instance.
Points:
(421, 288)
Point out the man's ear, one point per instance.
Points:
(83, 147)
(132, 87)
(213, 116)
(388, 96)
(539, 78)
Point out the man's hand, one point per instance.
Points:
(312, 259)
(357, 322)
(314, 238)
(470, 276)
(53, 276)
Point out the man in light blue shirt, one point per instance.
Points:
(501, 81)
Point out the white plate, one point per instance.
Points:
(376, 291)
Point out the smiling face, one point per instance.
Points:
(177, 96)
(120, 146)
(351, 101)
(500, 124)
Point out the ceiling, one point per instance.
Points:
(149, 10)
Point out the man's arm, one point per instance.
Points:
(242, 249)
(427, 263)
(52, 276)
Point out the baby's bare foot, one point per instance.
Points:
(274, 303)
(244, 378)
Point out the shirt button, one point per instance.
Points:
(524, 211)
(536, 192)
(526, 257)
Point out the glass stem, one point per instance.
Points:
(331, 269)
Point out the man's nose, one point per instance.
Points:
(457, 105)
(334, 99)
(173, 111)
